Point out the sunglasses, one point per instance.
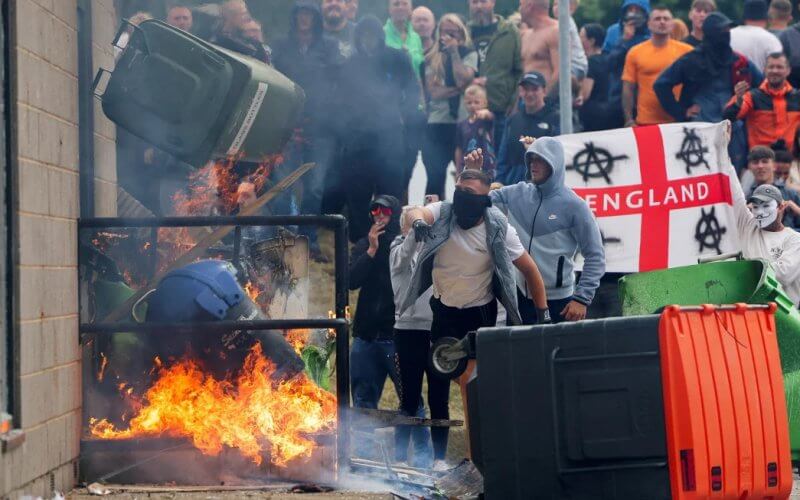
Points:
(379, 210)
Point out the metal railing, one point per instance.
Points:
(339, 322)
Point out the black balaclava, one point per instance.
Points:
(716, 43)
(469, 208)
(369, 25)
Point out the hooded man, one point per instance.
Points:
(632, 25)
(307, 56)
(555, 223)
(469, 253)
(631, 30)
(373, 356)
(709, 74)
(378, 94)
(762, 234)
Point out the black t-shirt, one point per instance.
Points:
(599, 112)
(691, 40)
(599, 71)
(481, 36)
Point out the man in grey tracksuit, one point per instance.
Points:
(553, 223)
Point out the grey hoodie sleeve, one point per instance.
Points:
(590, 242)
(498, 199)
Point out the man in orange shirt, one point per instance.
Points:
(643, 64)
(771, 111)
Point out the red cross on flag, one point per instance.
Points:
(661, 194)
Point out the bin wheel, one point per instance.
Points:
(446, 360)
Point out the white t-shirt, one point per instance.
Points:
(463, 266)
(781, 249)
(755, 43)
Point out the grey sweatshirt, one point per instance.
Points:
(402, 259)
(554, 223)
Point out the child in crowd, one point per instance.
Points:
(476, 131)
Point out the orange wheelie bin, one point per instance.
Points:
(684, 405)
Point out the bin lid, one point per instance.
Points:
(170, 88)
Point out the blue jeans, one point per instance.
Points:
(371, 361)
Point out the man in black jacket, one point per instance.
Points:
(372, 356)
(538, 119)
(379, 94)
(307, 56)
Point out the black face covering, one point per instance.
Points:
(469, 208)
(720, 42)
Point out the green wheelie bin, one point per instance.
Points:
(198, 101)
(726, 282)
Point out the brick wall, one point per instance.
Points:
(47, 186)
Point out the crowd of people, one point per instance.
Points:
(481, 91)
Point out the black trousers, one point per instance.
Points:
(412, 347)
(438, 151)
(451, 322)
(527, 309)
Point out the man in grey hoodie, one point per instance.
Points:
(553, 223)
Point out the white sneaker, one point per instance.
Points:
(440, 465)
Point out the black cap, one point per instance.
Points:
(715, 22)
(385, 200)
(533, 78)
(755, 10)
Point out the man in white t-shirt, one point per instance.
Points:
(752, 39)
(469, 253)
(763, 235)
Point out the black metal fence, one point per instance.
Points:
(339, 323)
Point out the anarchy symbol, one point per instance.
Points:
(692, 150)
(593, 162)
(708, 232)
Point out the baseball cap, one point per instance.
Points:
(533, 78)
(755, 10)
(715, 22)
(765, 193)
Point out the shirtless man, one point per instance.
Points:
(540, 42)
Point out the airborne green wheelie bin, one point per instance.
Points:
(198, 101)
(727, 282)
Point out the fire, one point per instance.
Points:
(214, 189)
(250, 413)
(252, 291)
(297, 339)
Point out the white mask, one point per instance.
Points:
(765, 213)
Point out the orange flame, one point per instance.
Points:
(250, 413)
(297, 339)
(252, 291)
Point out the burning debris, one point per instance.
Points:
(251, 413)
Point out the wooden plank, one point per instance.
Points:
(387, 418)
